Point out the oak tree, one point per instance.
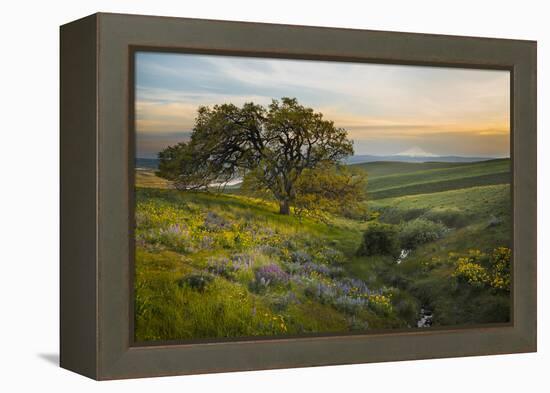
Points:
(273, 144)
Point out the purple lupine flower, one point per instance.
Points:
(271, 274)
(242, 261)
(350, 305)
(352, 287)
(268, 249)
(221, 266)
(300, 257)
(215, 222)
(309, 267)
(320, 291)
(175, 230)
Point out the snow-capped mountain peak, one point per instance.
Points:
(416, 152)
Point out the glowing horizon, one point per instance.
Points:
(386, 109)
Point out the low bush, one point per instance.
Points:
(222, 267)
(406, 306)
(392, 215)
(300, 257)
(500, 264)
(174, 237)
(310, 267)
(419, 231)
(320, 291)
(379, 239)
(271, 274)
(450, 218)
(330, 256)
(196, 281)
(479, 269)
(493, 222)
(380, 304)
(280, 302)
(214, 222)
(350, 305)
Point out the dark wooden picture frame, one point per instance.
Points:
(97, 164)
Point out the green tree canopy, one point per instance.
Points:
(330, 188)
(274, 144)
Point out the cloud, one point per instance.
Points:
(391, 103)
(152, 117)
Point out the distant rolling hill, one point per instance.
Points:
(147, 163)
(152, 163)
(357, 159)
(393, 179)
(384, 168)
(389, 179)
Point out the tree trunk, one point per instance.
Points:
(284, 208)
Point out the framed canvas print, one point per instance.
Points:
(241, 196)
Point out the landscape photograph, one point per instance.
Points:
(278, 197)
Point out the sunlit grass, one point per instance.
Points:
(199, 258)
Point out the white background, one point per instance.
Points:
(29, 237)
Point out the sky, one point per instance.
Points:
(386, 109)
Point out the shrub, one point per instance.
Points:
(215, 222)
(419, 231)
(300, 257)
(268, 249)
(500, 263)
(196, 281)
(406, 306)
(496, 275)
(450, 218)
(270, 274)
(470, 271)
(206, 242)
(379, 239)
(293, 267)
(330, 256)
(380, 304)
(352, 287)
(222, 267)
(175, 237)
(350, 305)
(289, 244)
(310, 267)
(280, 303)
(493, 222)
(357, 324)
(320, 291)
(242, 261)
(393, 215)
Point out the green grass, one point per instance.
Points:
(225, 240)
(179, 233)
(147, 178)
(427, 273)
(476, 203)
(399, 179)
(384, 168)
(442, 185)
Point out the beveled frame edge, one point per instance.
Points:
(78, 270)
(116, 33)
(135, 49)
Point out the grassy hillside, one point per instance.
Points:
(147, 178)
(218, 265)
(395, 179)
(478, 221)
(223, 266)
(384, 168)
